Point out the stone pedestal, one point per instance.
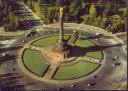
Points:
(61, 48)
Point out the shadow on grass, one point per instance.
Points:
(77, 51)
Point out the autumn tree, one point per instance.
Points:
(37, 9)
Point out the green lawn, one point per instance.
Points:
(77, 70)
(97, 54)
(84, 43)
(87, 43)
(34, 62)
(43, 42)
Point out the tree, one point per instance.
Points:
(88, 19)
(92, 10)
(37, 8)
(103, 22)
(98, 21)
(67, 17)
(74, 5)
(42, 1)
(74, 9)
(12, 22)
(83, 5)
(117, 24)
(60, 2)
(107, 8)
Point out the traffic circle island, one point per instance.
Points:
(38, 60)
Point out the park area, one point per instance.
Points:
(80, 69)
(38, 65)
(34, 62)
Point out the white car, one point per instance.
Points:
(30, 33)
(97, 33)
(72, 85)
(116, 57)
(3, 54)
(24, 41)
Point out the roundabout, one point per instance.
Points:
(95, 64)
(53, 58)
(41, 65)
(62, 58)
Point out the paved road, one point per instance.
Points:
(110, 53)
(108, 75)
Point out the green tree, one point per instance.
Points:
(88, 19)
(74, 6)
(117, 24)
(12, 22)
(92, 10)
(60, 2)
(103, 22)
(74, 9)
(83, 5)
(107, 8)
(98, 21)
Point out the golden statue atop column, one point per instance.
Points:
(61, 24)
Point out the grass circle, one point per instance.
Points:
(80, 69)
(35, 63)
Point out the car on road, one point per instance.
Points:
(97, 39)
(100, 35)
(31, 33)
(4, 54)
(73, 85)
(117, 64)
(115, 58)
(24, 41)
(91, 84)
(95, 76)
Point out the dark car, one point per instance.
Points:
(95, 76)
(117, 64)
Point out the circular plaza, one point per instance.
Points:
(40, 63)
